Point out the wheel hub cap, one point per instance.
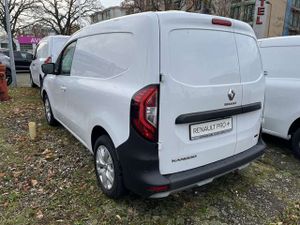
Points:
(48, 110)
(105, 167)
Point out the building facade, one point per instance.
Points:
(292, 18)
(4, 42)
(108, 13)
(28, 42)
(269, 18)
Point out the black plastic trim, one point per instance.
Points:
(193, 176)
(216, 114)
(140, 166)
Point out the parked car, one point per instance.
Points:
(4, 59)
(164, 101)
(46, 52)
(22, 60)
(282, 107)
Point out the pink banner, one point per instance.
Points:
(28, 40)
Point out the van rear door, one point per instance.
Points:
(253, 81)
(200, 82)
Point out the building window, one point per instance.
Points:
(198, 5)
(295, 20)
(177, 4)
(26, 47)
(235, 12)
(249, 13)
(296, 3)
(4, 45)
(108, 14)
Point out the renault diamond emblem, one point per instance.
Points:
(231, 94)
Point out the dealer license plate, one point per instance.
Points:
(210, 128)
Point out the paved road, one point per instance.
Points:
(23, 80)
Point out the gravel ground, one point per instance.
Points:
(51, 181)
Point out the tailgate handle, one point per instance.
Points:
(216, 114)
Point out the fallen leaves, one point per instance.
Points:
(16, 174)
(119, 217)
(39, 215)
(48, 154)
(34, 183)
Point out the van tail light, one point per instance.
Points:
(222, 22)
(144, 112)
(48, 60)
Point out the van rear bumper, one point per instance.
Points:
(140, 167)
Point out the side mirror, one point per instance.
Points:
(48, 68)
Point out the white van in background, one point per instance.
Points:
(281, 61)
(164, 101)
(46, 52)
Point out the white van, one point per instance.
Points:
(165, 101)
(282, 107)
(46, 52)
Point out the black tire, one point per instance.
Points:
(48, 112)
(117, 188)
(32, 84)
(8, 77)
(295, 143)
(41, 82)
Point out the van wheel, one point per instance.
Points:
(41, 82)
(48, 112)
(32, 84)
(295, 141)
(107, 168)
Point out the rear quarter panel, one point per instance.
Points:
(106, 102)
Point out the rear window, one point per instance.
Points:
(281, 62)
(249, 58)
(203, 57)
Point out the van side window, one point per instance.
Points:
(104, 55)
(67, 59)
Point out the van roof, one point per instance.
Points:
(146, 19)
(55, 36)
(279, 41)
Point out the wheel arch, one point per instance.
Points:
(98, 131)
(44, 93)
(295, 125)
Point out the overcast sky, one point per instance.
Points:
(107, 3)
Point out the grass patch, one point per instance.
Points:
(51, 181)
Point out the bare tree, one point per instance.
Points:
(222, 7)
(62, 16)
(36, 29)
(19, 11)
(135, 6)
